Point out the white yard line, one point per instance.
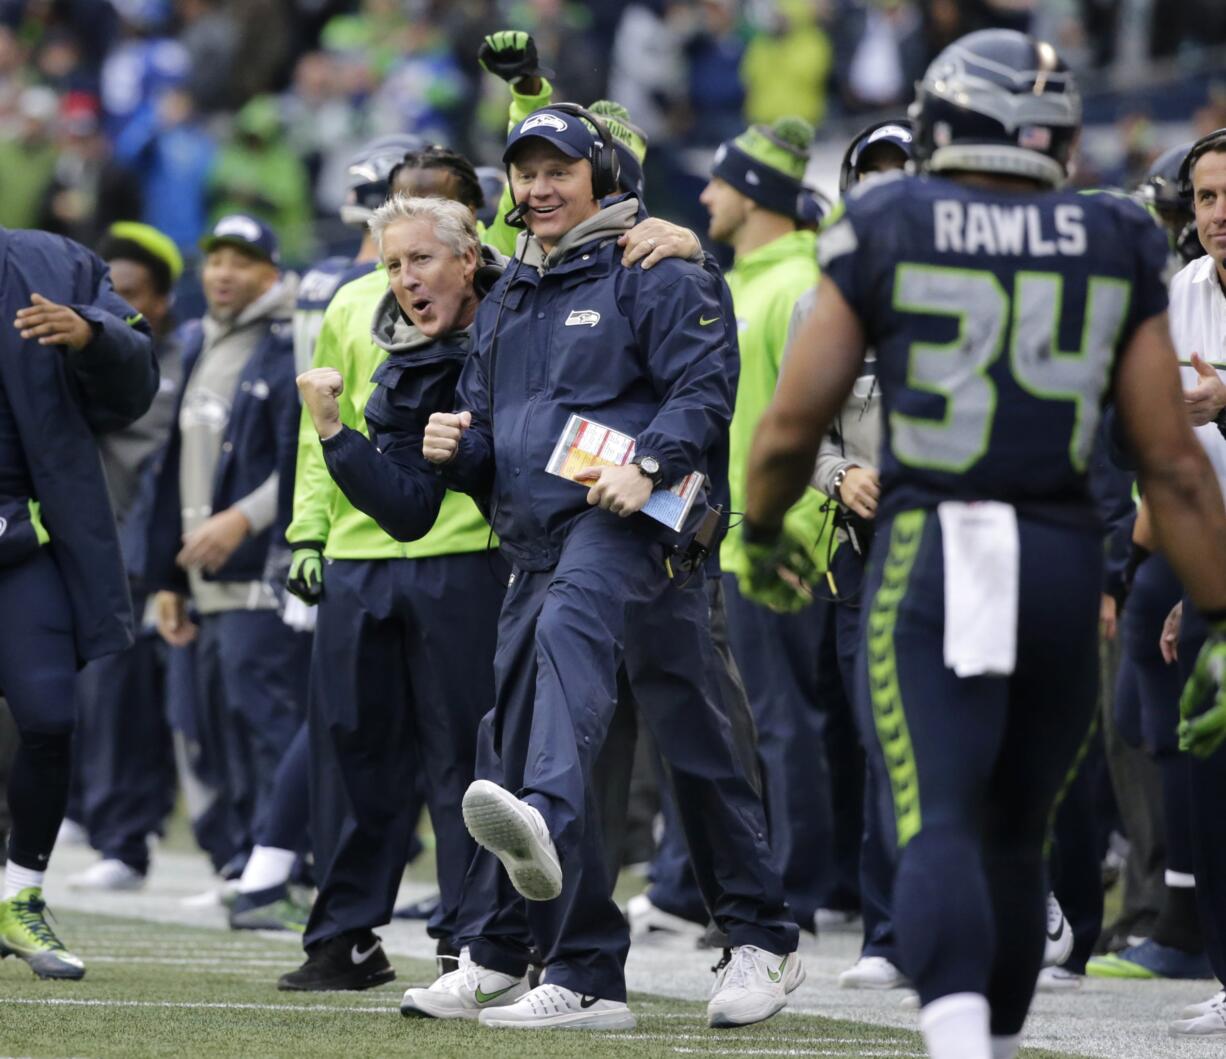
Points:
(1112, 1020)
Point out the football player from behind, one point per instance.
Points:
(1002, 310)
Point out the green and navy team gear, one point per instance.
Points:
(315, 293)
(996, 319)
(997, 101)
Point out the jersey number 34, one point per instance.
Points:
(958, 371)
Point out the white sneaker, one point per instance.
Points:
(752, 985)
(645, 918)
(556, 1007)
(1211, 1023)
(463, 993)
(516, 834)
(1194, 1010)
(910, 1001)
(71, 833)
(872, 972)
(1057, 980)
(1059, 934)
(107, 874)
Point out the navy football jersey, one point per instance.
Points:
(996, 318)
(315, 292)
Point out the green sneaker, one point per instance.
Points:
(271, 909)
(25, 933)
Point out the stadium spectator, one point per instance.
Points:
(89, 190)
(787, 64)
(257, 173)
(28, 156)
(210, 35)
(170, 154)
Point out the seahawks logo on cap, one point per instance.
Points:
(896, 132)
(552, 120)
(240, 227)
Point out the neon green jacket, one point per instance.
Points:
(500, 235)
(321, 511)
(765, 285)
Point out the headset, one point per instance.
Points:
(1214, 141)
(606, 166)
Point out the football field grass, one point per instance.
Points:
(160, 989)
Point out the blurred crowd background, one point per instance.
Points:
(176, 111)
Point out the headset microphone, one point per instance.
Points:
(515, 217)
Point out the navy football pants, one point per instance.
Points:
(38, 668)
(563, 636)
(976, 764)
(401, 674)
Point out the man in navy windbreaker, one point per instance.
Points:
(568, 331)
(75, 360)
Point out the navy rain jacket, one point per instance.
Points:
(645, 353)
(60, 399)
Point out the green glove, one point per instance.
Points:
(777, 572)
(306, 571)
(1202, 733)
(511, 55)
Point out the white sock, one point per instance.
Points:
(1006, 1047)
(956, 1027)
(17, 878)
(266, 867)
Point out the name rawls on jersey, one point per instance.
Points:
(1008, 230)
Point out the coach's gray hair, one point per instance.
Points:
(452, 222)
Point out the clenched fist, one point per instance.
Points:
(320, 387)
(442, 436)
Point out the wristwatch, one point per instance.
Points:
(840, 476)
(649, 467)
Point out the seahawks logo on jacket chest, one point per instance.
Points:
(583, 318)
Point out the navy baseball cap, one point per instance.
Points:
(569, 133)
(247, 234)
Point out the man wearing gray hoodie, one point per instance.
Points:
(214, 515)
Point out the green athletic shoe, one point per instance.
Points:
(25, 933)
(271, 909)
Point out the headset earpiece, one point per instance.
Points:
(1214, 141)
(606, 166)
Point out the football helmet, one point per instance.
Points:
(892, 134)
(368, 172)
(997, 101)
(1164, 192)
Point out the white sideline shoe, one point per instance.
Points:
(752, 985)
(516, 834)
(558, 1008)
(1210, 1023)
(646, 918)
(1057, 980)
(107, 874)
(1059, 945)
(872, 972)
(463, 993)
(1195, 1010)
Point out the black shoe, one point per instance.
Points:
(351, 960)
